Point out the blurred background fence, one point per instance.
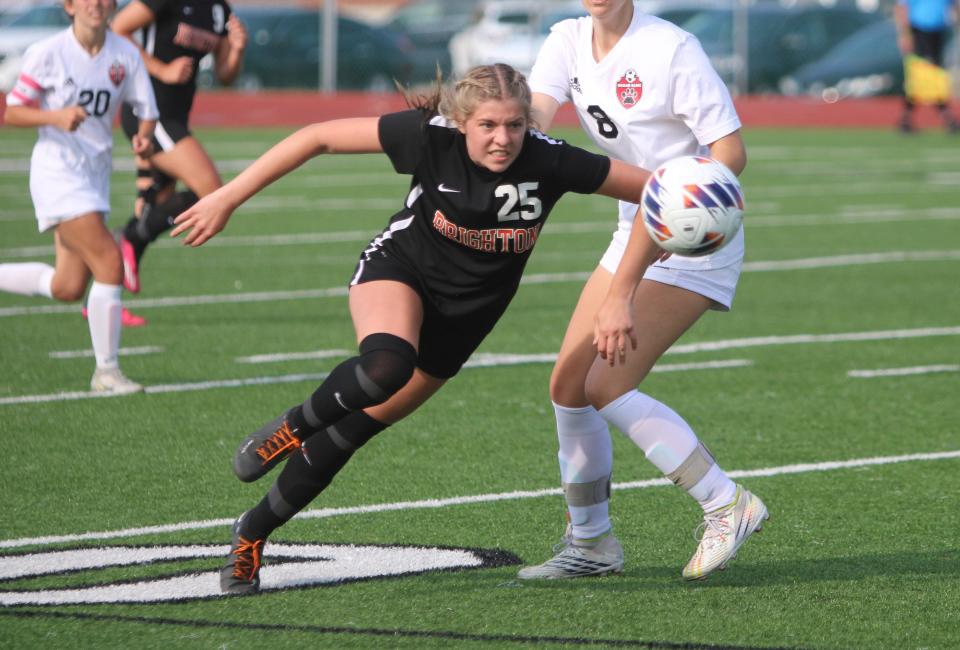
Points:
(828, 50)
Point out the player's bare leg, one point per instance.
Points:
(158, 203)
(588, 546)
(85, 248)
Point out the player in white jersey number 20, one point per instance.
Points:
(645, 93)
(71, 87)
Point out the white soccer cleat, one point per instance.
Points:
(724, 531)
(578, 559)
(113, 382)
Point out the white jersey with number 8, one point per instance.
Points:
(653, 97)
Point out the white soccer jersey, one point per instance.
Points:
(653, 97)
(70, 171)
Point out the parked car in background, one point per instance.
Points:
(22, 29)
(430, 24)
(508, 31)
(679, 11)
(513, 31)
(284, 49)
(780, 38)
(866, 63)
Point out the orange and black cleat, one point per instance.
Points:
(241, 573)
(264, 449)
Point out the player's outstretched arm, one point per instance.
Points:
(210, 215)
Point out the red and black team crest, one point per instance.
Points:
(117, 73)
(629, 89)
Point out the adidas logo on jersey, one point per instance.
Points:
(575, 84)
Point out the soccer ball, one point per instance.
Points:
(692, 206)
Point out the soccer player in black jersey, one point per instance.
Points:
(428, 289)
(174, 36)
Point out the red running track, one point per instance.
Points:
(300, 108)
(231, 109)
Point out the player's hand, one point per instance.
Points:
(69, 118)
(203, 220)
(141, 146)
(177, 71)
(236, 33)
(613, 330)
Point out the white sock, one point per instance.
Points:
(103, 316)
(27, 278)
(586, 455)
(667, 440)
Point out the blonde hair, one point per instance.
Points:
(482, 83)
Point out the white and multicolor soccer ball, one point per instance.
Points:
(692, 206)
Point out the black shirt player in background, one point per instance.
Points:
(426, 290)
(174, 35)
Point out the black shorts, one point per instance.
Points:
(929, 45)
(446, 341)
(168, 133)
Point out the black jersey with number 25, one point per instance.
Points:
(466, 230)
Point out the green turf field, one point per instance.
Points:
(830, 390)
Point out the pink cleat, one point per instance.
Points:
(127, 318)
(131, 274)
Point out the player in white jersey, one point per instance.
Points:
(71, 87)
(645, 92)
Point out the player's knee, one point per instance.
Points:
(69, 291)
(387, 361)
(597, 394)
(600, 388)
(566, 387)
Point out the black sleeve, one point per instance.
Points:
(402, 137)
(156, 6)
(579, 170)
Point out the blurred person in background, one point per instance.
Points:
(645, 92)
(71, 86)
(173, 36)
(923, 27)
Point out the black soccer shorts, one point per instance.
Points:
(446, 340)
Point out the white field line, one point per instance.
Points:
(851, 215)
(489, 359)
(853, 260)
(184, 301)
(323, 513)
(846, 337)
(293, 356)
(530, 278)
(903, 372)
(288, 379)
(486, 361)
(166, 388)
(124, 352)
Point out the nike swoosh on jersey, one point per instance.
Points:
(444, 188)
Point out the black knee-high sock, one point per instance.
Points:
(156, 220)
(309, 471)
(385, 364)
